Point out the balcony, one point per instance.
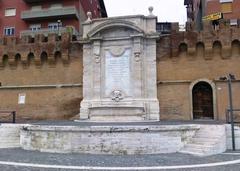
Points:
(33, 1)
(45, 32)
(65, 12)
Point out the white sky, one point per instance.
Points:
(166, 10)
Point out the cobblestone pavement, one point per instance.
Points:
(150, 162)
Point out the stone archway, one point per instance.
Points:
(202, 101)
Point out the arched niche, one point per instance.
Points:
(18, 59)
(57, 56)
(182, 49)
(44, 57)
(200, 49)
(5, 60)
(217, 48)
(235, 48)
(30, 58)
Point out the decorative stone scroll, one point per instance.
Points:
(97, 51)
(137, 49)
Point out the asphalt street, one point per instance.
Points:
(21, 160)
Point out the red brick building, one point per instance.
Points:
(197, 9)
(25, 17)
(229, 8)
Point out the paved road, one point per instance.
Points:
(21, 160)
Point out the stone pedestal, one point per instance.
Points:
(107, 139)
(119, 76)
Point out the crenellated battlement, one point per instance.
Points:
(38, 50)
(224, 43)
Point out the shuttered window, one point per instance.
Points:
(226, 7)
(9, 31)
(10, 12)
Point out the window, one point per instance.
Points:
(36, 8)
(35, 27)
(54, 26)
(9, 31)
(56, 6)
(226, 7)
(10, 12)
(224, 1)
(164, 28)
(233, 22)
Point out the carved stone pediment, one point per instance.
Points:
(120, 27)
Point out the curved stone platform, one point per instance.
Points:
(107, 139)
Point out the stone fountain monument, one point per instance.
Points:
(119, 84)
(119, 76)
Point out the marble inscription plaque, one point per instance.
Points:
(117, 72)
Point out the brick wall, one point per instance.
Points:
(49, 72)
(52, 82)
(215, 6)
(186, 58)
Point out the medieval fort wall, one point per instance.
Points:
(49, 71)
(186, 58)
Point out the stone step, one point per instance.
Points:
(207, 141)
(202, 139)
(9, 141)
(203, 142)
(205, 135)
(195, 153)
(199, 146)
(211, 132)
(201, 152)
(194, 150)
(212, 129)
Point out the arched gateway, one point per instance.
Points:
(202, 101)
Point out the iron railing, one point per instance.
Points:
(6, 114)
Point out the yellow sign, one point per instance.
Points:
(215, 16)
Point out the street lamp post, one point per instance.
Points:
(59, 24)
(229, 79)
